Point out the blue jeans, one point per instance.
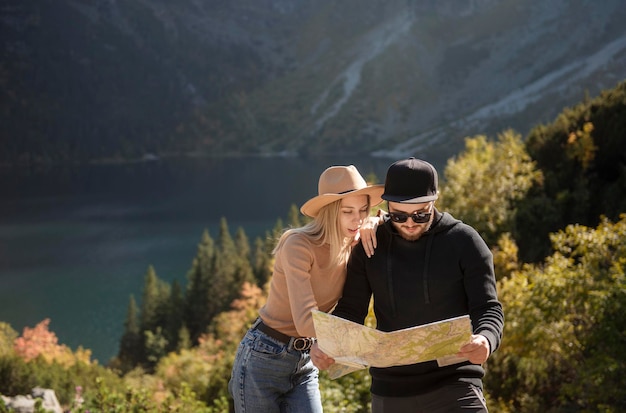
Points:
(270, 376)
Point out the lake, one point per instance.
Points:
(76, 241)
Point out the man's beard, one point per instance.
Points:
(412, 236)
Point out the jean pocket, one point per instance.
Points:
(267, 346)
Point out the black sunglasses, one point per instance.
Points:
(417, 217)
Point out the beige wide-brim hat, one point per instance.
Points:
(338, 182)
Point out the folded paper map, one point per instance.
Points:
(355, 346)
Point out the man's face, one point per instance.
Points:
(409, 229)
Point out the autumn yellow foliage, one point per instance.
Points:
(40, 341)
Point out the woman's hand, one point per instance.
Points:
(319, 358)
(367, 234)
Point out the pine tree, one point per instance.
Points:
(155, 345)
(174, 316)
(277, 231)
(197, 293)
(153, 317)
(184, 339)
(150, 300)
(131, 351)
(224, 239)
(216, 284)
(223, 277)
(244, 272)
(295, 218)
(242, 245)
(261, 262)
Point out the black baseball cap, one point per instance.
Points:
(411, 181)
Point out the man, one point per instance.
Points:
(428, 267)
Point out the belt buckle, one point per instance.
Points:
(303, 343)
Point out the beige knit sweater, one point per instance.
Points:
(301, 283)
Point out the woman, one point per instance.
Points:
(273, 371)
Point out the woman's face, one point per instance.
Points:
(353, 210)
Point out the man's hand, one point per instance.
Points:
(319, 358)
(477, 350)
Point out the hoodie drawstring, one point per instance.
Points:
(429, 245)
(392, 299)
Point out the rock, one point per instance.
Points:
(26, 404)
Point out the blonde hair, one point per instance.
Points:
(325, 229)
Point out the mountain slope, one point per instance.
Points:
(86, 80)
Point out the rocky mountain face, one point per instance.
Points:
(94, 79)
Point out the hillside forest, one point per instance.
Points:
(115, 80)
(551, 205)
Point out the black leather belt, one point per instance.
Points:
(298, 343)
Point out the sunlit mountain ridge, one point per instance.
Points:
(116, 79)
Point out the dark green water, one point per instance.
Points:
(75, 242)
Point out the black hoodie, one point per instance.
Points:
(447, 272)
